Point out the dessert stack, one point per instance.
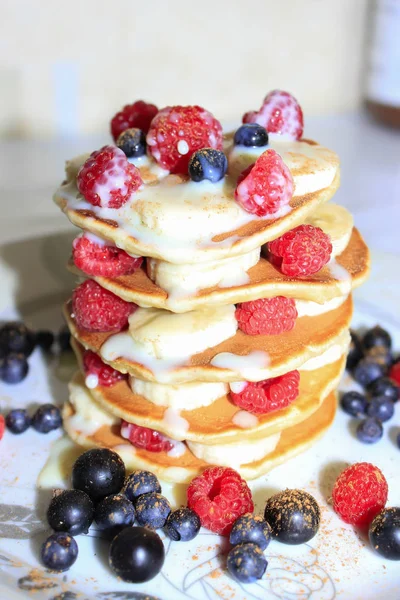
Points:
(211, 323)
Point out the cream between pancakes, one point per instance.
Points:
(88, 417)
(188, 396)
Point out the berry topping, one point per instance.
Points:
(394, 373)
(182, 525)
(178, 131)
(70, 511)
(354, 404)
(377, 336)
(13, 368)
(136, 554)
(140, 482)
(107, 179)
(47, 418)
(355, 353)
(300, 252)
(148, 439)
(219, 496)
(208, 163)
(101, 259)
(251, 135)
(250, 529)
(367, 370)
(369, 431)
(280, 113)
(294, 516)
(104, 374)
(59, 552)
(267, 316)
(113, 513)
(132, 142)
(138, 115)
(266, 396)
(15, 337)
(359, 494)
(97, 309)
(246, 563)
(152, 510)
(98, 472)
(381, 407)
(265, 186)
(18, 420)
(384, 533)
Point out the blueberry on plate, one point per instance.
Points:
(380, 407)
(16, 337)
(99, 472)
(136, 554)
(355, 353)
(251, 528)
(47, 418)
(384, 533)
(64, 339)
(246, 563)
(294, 516)
(367, 370)
(114, 513)
(381, 355)
(45, 340)
(353, 403)
(377, 336)
(208, 164)
(369, 431)
(70, 511)
(18, 420)
(182, 525)
(132, 142)
(251, 135)
(384, 387)
(140, 482)
(152, 510)
(14, 368)
(59, 551)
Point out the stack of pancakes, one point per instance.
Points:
(183, 351)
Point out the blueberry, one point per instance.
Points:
(132, 142)
(45, 340)
(246, 563)
(59, 551)
(208, 164)
(114, 513)
(384, 533)
(369, 431)
(141, 482)
(398, 440)
(182, 525)
(355, 353)
(64, 339)
(250, 528)
(294, 516)
(70, 511)
(47, 418)
(136, 554)
(14, 368)
(384, 387)
(16, 337)
(381, 408)
(367, 371)
(251, 135)
(98, 472)
(381, 355)
(377, 337)
(354, 403)
(18, 420)
(152, 510)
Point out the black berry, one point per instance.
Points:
(355, 353)
(140, 482)
(45, 340)
(384, 387)
(99, 472)
(114, 513)
(132, 142)
(182, 525)
(369, 431)
(380, 355)
(47, 418)
(18, 420)
(59, 552)
(16, 337)
(136, 554)
(377, 336)
(14, 368)
(367, 371)
(251, 135)
(384, 533)
(354, 403)
(294, 516)
(70, 511)
(251, 528)
(381, 408)
(64, 339)
(246, 563)
(208, 164)
(152, 510)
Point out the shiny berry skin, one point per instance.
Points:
(97, 309)
(251, 528)
(384, 386)
(355, 353)
(70, 511)
(280, 113)
(300, 252)
(354, 404)
(47, 418)
(102, 260)
(148, 439)
(15, 337)
(138, 115)
(294, 516)
(251, 135)
(384, 533)
(106, 375)
(367, 370)
(182, 525)
(178, 131)
(369, 431)
(64, 339)
(152, 510)
(59, 551)
(14, 368)
(380, 408)
(18, 420)
(107, 179)
(246, 563)
(132, 142)
(377, 336)
(44, 339)
(207, 163)
(266, 396)
(136, 554)
(114, 513)
(265, 186)
(140, 482)
(98, 472)
(266, 316)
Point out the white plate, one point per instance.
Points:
(337, 563)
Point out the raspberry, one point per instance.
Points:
(280, 113)
(102, 259)
(97, 309)
(179, 131)
(267, 316)
(145, 438)
(265, 186)
(394, 373)
(93, 365)
(300, 252)
(269, 395)
(219, 496)
(2, 426)
(139, 115)
(107, 178)
(359, 494)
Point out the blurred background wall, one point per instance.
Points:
(67, 67)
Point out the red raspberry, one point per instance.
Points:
(145, 438)
(266, 396)
(267, 316)
(394, 373)
(359, 494)
(219, 496)
(300, 252)
(97, 309)
(265, 186)
(93, 365)
(139, 114)
(107, 178)
(2, 426)
(178, 131)
(280, 113)
(102, 259)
